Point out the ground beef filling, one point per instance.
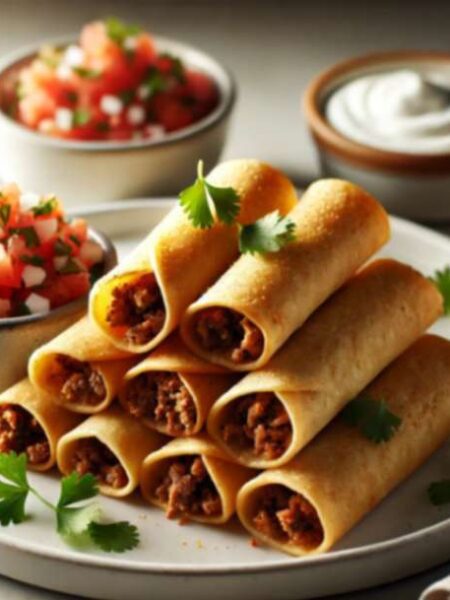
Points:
(162, 398)
(92, 456)
(21, 432)
(138, 306)
(287, 517)
(259, 422)
(222, 329)
(78, 382)
(187, 489)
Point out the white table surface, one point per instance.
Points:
(273, 48)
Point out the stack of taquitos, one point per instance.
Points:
(307, 505)
(141, 302)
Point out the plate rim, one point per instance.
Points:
(90, 560)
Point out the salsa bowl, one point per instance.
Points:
(20, 336)
(83, 172)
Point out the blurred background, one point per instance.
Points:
(273, 49)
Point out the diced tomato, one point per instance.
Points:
(172, 114)
(10, 275)
(65, 288)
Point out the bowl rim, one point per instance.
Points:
(110, 261)
(356, 153)
(220, 74)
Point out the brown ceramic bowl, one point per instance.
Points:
(412, 185)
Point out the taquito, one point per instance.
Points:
(111, 446)
(31, 423)
(80, 369)
(172, 390)
(141, 302)
(247, 315)
(269, 415)
(310, 503)
(191, 478)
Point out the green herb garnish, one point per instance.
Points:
(45, 207)
(35, 260)
(81, 116)
(29, 235)
(200, 199)
(439, 492)
(87, 73)
(118, 31)
(22, 310)
(127, 97)
(5, 213)
(154, 82)
(441, 280)
(177, 69)
(61, 248)
(74, 239)
(76, 524)
(70, 268)
(268, 234)
(372, 418)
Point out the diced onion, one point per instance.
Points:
(64, 119)
(90, 252)
(29, 199)
(130, 43)
(33, 275)
(3, 253)
(136, 114)
(155, 132)
(37, 304)
(60, 262)
(74, 56)
(111, 105)
(46, 228)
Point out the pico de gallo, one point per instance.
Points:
(113, 84)
(45, 259)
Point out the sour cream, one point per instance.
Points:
(397, 111)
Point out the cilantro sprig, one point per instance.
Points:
(372, 417)
(205, 204)
(439, 492)
(118, 31)
(45, 207)
(77, 522)
(441, 280)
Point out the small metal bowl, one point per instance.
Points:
(20, 336)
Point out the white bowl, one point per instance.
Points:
(416, 186)
(20, 336)
(86, 172)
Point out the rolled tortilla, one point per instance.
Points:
(310, 503)
(247, 315)
(31, 423)
(111, 446)
(80, 369)
(141, 302)
(269, 415)
(172, 390)
(192, 478)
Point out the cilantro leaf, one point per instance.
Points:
(197, 199)
(268, 234)
(5, 212)
(13, 497)
(29, 234)
(118, 31)
(226, 202)
(372, 417)
(114, 537)
(81, 116)
(13, 468)
(73, 523)
(75, 488)
(177, 69)
(45, 207)
(439, 492)
(70, 268)
(195, 204)
(87, 73)
(61, 248)
(35, 260)
(154, 82)
(441, 279)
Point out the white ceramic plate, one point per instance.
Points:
(404, 535)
